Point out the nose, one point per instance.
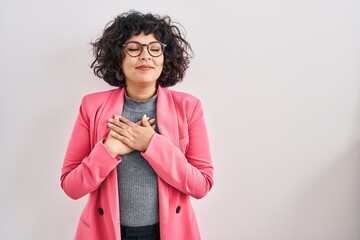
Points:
(145, 53)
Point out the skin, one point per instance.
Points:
(141, 74)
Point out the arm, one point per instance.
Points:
(84, 168)
(192, 172)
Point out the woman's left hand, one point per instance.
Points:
(133, 135)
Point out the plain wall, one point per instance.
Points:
(280, 86)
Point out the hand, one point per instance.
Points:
(114, 146)
(134, 135)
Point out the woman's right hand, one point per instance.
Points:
(116, 147)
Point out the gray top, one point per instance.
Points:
(137, 181)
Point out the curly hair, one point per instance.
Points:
(109, 54)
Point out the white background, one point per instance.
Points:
(280, 86)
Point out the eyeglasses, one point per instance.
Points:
(134, 48)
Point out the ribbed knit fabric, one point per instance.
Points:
(137, 181)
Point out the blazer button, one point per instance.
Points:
(178, 209)
(101, 211)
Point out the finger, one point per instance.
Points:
(138, 123)
(120, 130)
(114, 119)
(126, 121)
(119, 124)
(131, 127)
(121, 138)
(145, 121)
(151, 121)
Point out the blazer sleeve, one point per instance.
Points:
(192, 172)
(85, 167)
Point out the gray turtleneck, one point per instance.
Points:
(137, 181)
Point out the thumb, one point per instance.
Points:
(145, 121)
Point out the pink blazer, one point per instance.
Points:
(179, 154)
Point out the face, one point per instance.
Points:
(144, 69)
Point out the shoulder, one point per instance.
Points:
(186, 103)
(98, 96)
(184, 98)
(93, 102)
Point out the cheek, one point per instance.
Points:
(160, 63)
(126, 64)
(160, 68)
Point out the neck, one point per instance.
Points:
(140, 94)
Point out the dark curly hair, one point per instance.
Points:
(108, 51)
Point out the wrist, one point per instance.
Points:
(110, 149)
(148, 143)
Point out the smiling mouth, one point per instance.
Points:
(145, 68)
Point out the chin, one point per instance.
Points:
(147, 82)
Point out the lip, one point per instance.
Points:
(144, 67)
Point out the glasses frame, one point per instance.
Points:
(163, 45)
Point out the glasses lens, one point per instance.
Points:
(155, 49)
(133, 49)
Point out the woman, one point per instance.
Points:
(140, 150)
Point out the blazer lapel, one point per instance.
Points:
(114, 105)
(166, 116)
